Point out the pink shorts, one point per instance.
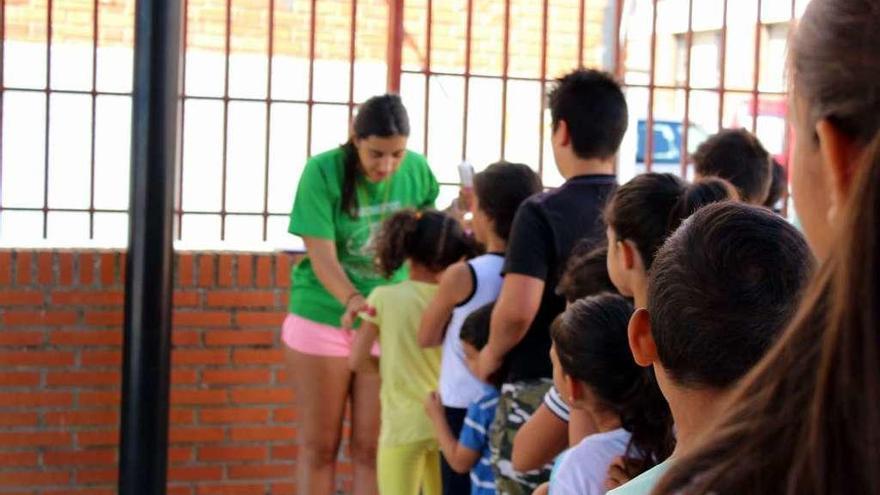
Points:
(317, 339)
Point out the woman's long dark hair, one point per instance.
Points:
(382, 116)
(651, 206)
(806, 420)
(591, 342)
(431, 238)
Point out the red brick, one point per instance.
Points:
(234, 453)
(201, 318)
(224, 271)
(194, 357)
(20, 338)
(262, 356)
(259, 319)
(186, 298)
(86, 269)
(290, 488)
(264, 271)
(86, 338)
(239, 337)
(89, 398)
(263, 433)
(104, 318)
(230, 489)
(206, 271)
(96, 476)
(241, 299)
(18, 459)
(101, 358)
(35, 318)
(179, 455)
(35, 439)
(65, 269)
(23, 269)
(20, 298)
(178, 490)
(179, 416)
(34, 478)
(84, 378)
(284, 452)
(234, 415)
(123, 259)
(36, 358)
(195, 435)
(17, 419)
(79, 418)
(237, 377)
(185, 269)
(89, 298)
(44, 268)
(262, 471)
(198, 397)
(281, 395)
(186, 338)
(245, 270)
(5, 268)
(184, 376)
(282, 376)
(99, 437)
(81, 491)
(90, 457)
(284, 415)
(37, 399)
(195, 473)
(283, 263)
(108, 268)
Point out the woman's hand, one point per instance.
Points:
(355, 305)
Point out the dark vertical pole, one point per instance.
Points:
(395, 44)
(429, 22)
(686, 121)
(143, 451)
(649, 126)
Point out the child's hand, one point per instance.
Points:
(616, 474)
(433, 406)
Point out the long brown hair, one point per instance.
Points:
(806, 420)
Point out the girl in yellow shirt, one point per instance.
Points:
(408, 456)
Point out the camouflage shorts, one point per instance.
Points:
(517, 404)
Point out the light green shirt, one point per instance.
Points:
(644, 483)
(317, 212)
(408, 371)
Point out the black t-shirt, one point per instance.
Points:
(546, 228)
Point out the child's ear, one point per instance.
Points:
(629, 254)
(574, 390)
(641, 341)
(561, 133)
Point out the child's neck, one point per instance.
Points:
(495, 244)
(420, 273)
(693, 411)
(604, 419)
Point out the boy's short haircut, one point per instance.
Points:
(594, 108)
(721, 290)
(501, 188)
(586, 274)
(475, 329)
(778, 185)
(737, 156)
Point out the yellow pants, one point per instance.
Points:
(409, 469)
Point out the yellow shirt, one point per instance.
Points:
(408, 372)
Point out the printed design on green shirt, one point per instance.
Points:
(360, 246)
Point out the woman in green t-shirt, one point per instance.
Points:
(343, 196)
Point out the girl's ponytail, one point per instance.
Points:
(701, 193)
(433, 239)
(645, 413)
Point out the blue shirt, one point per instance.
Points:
(475, 436)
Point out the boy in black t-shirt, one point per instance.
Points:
(589, 119)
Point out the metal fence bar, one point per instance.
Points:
(47, 121)
(649, 125)
(310, 101)
(757, 75)
(2, 88)
(505, 68)
(467, 79)
(544, 19)
(582, 7)
(351, 57)
(395, 44)
(267, 141)
(95, 25)
(225, 141)
(686, 122)
(182, 109)
(427, 72)
(722, 56)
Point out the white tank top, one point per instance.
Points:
(458, 386)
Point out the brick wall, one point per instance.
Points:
(233, 425)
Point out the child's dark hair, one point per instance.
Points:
(737, 156)
(475, 331)
(722, 289)
(593, 107)
(501, 188)
(430, 238)
(586, 274)
(381, 116)
(648, 208)
(778, 185)
(591, 343)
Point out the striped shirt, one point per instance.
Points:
(475, 436)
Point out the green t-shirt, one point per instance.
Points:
(317, 212)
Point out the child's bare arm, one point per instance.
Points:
(541, 439)
(460, 458)
(455, 285)
(360, 359)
